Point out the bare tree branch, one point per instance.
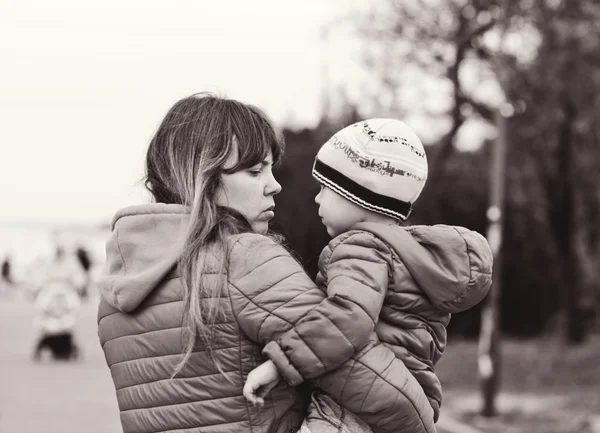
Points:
(467, 39)
(484, 110)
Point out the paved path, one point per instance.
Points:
(448, 425)
(52, 397)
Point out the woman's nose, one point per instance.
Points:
(318, 198)
(273, 187)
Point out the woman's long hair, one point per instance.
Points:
(184, 164)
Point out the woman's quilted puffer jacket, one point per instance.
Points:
(405, 282)
(140, 329)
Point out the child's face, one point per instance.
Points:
(337, 213)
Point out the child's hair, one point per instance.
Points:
(378, 164)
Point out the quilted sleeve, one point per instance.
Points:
(357, 280)
(269, 290)
(378, 387)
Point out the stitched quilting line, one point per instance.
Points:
(279, 306)
(311, 351)
(167, 354)
(141, 333)
(255, 304)
(350, 300)
(241, 371)
(271, 311)
(158, 330)
(390, 250)
(257, 267)
(179, 378)
(468, 251)
(276, 283)
(161, 329)
(399, 390)
(362, 405)
(346, 380)
(181, 404)
(153, 305)
(208, 426)
(358, 235)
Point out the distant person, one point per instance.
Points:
(86, 264)
(6, 282)
(404, 281)
(194, 287)
(6, 271)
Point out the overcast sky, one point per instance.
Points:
(83, 85)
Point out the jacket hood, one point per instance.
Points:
(452, 265)
(143, 248)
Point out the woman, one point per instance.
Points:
(186, 308)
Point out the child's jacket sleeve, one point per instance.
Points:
(306, 333)
(357, 279)
(270, 293)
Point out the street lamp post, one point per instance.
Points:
(489, 359)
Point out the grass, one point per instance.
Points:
(546, 386)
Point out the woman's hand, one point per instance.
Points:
(260, 382)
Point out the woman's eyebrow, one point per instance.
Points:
(267, 162)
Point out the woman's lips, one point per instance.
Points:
(269, 212)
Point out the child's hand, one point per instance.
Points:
(260, 382)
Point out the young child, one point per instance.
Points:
(57, 306)
(412, 277)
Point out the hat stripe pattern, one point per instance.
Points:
(351, 190)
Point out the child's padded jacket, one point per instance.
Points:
(403, 282)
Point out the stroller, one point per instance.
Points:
(57, 305)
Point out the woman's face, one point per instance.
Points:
(251, 192)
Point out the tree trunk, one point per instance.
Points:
(565, 229)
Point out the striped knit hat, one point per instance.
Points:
(378, 164)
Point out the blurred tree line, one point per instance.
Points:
(552, 223)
